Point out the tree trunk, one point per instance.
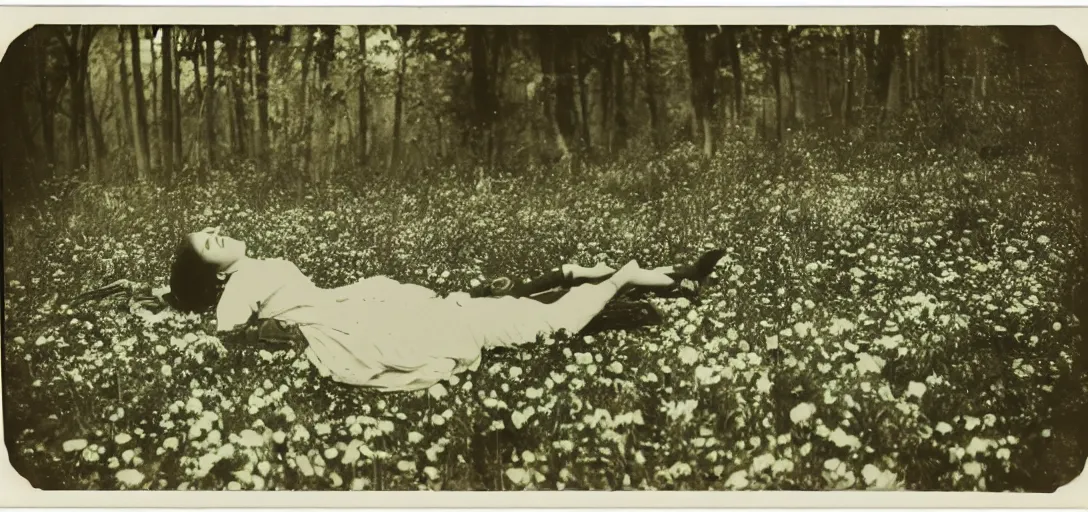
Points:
(230, 46)
(702, 84)
(125, 101)
(887, 75)
(325, 54)
(87, 108)
(18, 155)
(545, 43)
(210, 35)
(730, 35)
(155, 115)
(776, 78)
(46, 108)
(650, 82)
(871, 52)
(252, 104)
(364, 123)
(980, 71)
(166, 125)
(564, 87)
(398, 102)
(608, 93)
(101, 150)
(76, 98)
(619, 65)
(176, 144)
(143, 150)
(263, 146)
(583, 69)
(496, 47)
(301, 155)
(239, 43)
(482, 97)
(791, 112)
(848, 95)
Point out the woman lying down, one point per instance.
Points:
(390, 336)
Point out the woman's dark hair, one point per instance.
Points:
(195, 286)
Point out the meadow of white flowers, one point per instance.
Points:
(895, 322)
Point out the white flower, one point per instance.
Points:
(842, 439)
(437, 391)
(977, 446)
(802, 412)
(250, 439)
(832, 464)
(763, 384)
(916, 389)
(973, 468)
(122, 438)
(130, 477)
(74, 445)
(194, 406)
(518, 476)
(406, 466)
(688, 355)
(704, 375)
(304, 465)
(972, 422)
(869, 364)
(870, 473)
(737, 481)
(762, 462)
(943, 427)
(782, 466)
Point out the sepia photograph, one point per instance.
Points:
(521, 256)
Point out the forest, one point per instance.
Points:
(899, 308)
(311, 105)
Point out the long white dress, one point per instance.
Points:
(383, 334)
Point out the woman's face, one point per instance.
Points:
(216, 249)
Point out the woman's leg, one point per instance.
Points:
(519, 321)
(546, 287)
(550, 286)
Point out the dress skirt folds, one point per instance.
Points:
(383, 334)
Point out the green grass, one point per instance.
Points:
(880, 321)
